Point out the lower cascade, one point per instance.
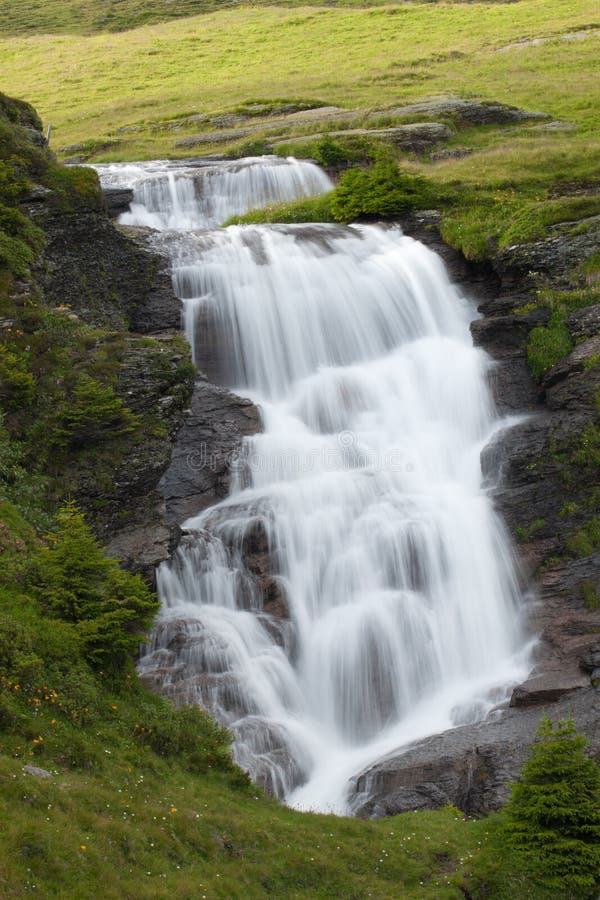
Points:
(356, 591)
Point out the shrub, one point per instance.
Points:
(380, 192)
(187, 732)
(553, 816)
(93, 414)
(17, 385)
(111, 609)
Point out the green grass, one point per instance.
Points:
(142, 827)
(151, 80)
(89, 16)
(89, 87)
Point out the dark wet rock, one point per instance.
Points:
(547, 688)
(574, 382)
(590, 660)
(554, 257)
(262, 747)
(470, 767)
(36, 193)
(142, 548)
(275, 601)
(101, 274)
(507, 332)
(207, 447)
(584, 323)
(117, 200)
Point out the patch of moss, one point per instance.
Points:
(585, 541)
(548, 344)
(525, 534)
(590, 595)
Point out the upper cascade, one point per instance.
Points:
(182, 196)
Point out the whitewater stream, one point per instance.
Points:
(397, 608)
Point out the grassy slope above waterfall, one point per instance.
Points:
(231, 78)
(89, 87)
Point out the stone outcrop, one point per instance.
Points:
(117, 200)
(468, 112)
(98, 271)
(470, 767)
(417, 137)
(206, 448)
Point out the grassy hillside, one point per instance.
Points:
(88, 16)
(89, 88)
(141, 801)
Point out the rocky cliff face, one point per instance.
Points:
(96, 309)
(547, 472)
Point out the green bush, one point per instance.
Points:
(186, 732)
(75, 187)
(74, 581)
(93, 414)
(380, 192)
(17, 386)
(553, 816)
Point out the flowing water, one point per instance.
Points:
(356, 590)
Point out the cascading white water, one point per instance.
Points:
(397, 601)
(180, 196)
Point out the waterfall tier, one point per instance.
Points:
(183, 196)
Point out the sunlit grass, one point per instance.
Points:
(89, 87)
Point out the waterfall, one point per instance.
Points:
(181, 196)
(356, 590)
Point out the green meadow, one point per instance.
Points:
(88, 87)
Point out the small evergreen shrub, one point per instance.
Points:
(553, 816)
(383, 191)
(94, 413)
(17, 385)
(111, 609)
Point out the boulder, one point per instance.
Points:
(117, 200)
